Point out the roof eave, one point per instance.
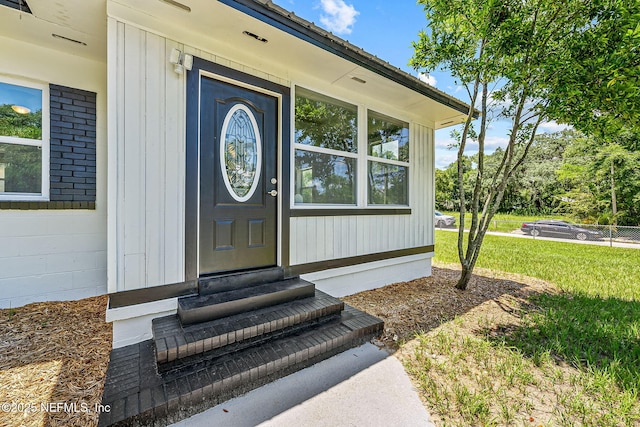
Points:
(266, 11)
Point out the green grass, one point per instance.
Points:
(596, 271)
(576, 354)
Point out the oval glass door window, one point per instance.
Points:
(240, 152)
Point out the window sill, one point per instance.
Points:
(297, 212)
(31, 205)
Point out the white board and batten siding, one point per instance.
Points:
(146, 222)
(147, 107)
(146, 161)
(53, 255)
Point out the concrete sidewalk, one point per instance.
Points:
(364, 386)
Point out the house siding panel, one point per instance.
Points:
(148, 141)
(143, 143)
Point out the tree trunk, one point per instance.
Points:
(614, 205)
(465, 277)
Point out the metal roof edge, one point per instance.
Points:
(269, 13)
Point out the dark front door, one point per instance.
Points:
(238, 171)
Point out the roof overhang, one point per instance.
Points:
(297, 50)
(266, 11)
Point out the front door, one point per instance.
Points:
(238, 178)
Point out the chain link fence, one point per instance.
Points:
(580, 232)
(610, 235)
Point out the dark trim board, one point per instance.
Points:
(348, 212)
(312, 267)
(47, 205)
(188, 288)
(154, 293)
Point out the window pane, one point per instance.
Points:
(388, 184)
(325, 122)
(20, 111)
(20, 169)
(323, 178)
(388, 138)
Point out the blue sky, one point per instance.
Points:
(386, 29)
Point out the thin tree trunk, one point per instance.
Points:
(465, 277)
(614, 204)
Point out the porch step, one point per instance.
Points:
(238, 280)
(174, 341)
(138, 395)
(229, 303)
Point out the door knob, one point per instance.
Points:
(273, 193)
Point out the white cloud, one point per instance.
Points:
(492, 142)
(338, 16)
(553, 126)
(445, 158)
(428, 79)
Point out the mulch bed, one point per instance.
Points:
(53, 361)
(409, 308)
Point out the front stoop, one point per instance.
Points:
(188, 368)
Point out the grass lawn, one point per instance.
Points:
(590, 270)
(571, 358)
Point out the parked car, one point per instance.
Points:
(557, 228)
(442, 220)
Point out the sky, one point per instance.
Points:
(386, 29)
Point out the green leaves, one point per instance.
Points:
(597, 87)
(575, 61)
(589, 171)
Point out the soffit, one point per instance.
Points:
(80, 20)
(215, 27)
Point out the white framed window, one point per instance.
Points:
(334, 153)
(326, 150)
(387, 160)
(24, 140)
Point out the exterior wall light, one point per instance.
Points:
(181, 61)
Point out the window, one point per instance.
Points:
(332, 152)
(326, 150)
(24, 146)
(388, 160)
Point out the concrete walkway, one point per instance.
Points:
(364, 387)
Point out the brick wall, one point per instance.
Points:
(72, 145)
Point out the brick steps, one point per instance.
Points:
(272, 330)
(174, 341)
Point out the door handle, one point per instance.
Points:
(272, 193)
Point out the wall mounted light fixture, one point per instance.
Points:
(181, 61)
